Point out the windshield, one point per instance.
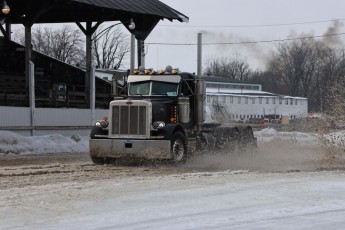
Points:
(164, 88)
(153, 88)
(139, 88)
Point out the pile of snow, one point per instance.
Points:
(11, 142)
(336, 138)
(269, 134)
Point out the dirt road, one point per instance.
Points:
(32, 170)
(281, 185)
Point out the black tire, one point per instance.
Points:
(98, 160)
(178, 148)
(102, 160)
(234, 140)
(248, 141)
(226, 138)
(221, 137)
(208, 142)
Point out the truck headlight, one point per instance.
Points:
(102, 123)
(158, 124)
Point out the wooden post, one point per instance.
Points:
(32, 96)
(28, 54)
(88, 62)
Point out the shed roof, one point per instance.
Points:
(145, 13)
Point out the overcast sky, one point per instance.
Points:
(233, 21)
(238, 21)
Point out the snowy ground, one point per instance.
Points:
(216, 200)
(286, 184)
(12, 143)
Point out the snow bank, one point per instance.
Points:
(11, 142)
(336, 138)
(14, 143)
(269, 134)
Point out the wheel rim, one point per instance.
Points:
(178, 150)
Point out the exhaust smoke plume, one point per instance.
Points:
(330, 40)
(229, 50)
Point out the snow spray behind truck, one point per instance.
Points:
(161, 116)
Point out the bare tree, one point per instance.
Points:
(232, 68)
(110, 47)
(65, 44)
(331, 73)
(309, 68)
(296, 63)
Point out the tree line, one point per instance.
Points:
(300, 68)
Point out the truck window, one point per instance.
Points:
(164, 88)
(139, 88)
(187, 88)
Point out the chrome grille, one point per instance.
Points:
(129, 120)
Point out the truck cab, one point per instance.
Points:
(153, 121)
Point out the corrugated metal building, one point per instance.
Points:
(241, 101)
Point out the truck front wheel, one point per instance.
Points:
(178, 148)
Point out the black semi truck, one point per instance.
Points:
(161, 116)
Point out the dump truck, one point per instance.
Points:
(160, 115)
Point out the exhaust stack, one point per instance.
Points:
(200, 88)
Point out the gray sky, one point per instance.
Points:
(237, 21)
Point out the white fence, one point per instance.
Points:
(48, 120)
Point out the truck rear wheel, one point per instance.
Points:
(101, 160)
(97, 160)
(227, 138)
(248, 140)
(178, 148)
(208, 142)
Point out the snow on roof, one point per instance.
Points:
(246, 92)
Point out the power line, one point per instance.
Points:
(259, 25)
(244, 42)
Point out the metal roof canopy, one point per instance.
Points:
(144, 13)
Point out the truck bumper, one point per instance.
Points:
(123, 148)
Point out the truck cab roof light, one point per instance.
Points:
(152, 71)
